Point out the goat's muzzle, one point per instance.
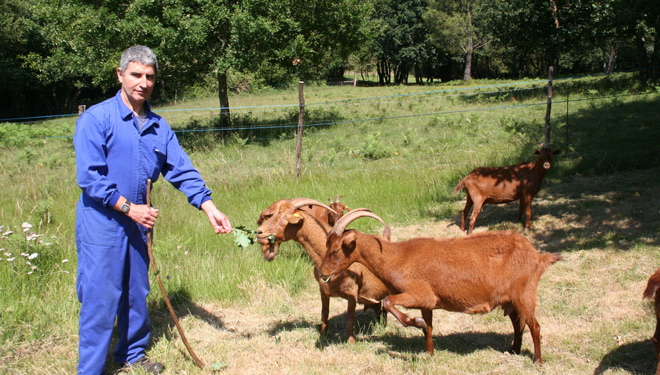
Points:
(326, 279)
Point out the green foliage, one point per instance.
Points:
(402, 38)
(375, 147)
(459, 27)
(243, 236)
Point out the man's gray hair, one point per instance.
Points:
(140, 54)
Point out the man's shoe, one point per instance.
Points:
(148, 365)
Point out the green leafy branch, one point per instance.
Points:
(243, 237)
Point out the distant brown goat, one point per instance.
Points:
(653, 291)
(327, 217)
(472, 274)
(293, 219)
(495, 185)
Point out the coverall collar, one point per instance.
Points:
(126, 113)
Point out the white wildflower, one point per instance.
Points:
(7, 233)
(186, 253)
(34, 255)
(25, 254)
(10, 259)
(33, 268)
(7, 254)
(26, 226)
(33, 236)
(30, 273)
(28, 263)
(64, 260)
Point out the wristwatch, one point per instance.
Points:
(126, 207)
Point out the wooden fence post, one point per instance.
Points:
(547, 111)
(567, 123)
(301, 115)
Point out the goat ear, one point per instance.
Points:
(294, 218)
(331, 218)
(348, 240)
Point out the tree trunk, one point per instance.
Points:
(225, 120)
(467, 72)
(419, 78)
(655, 54)
(609, 67)
(383, 72)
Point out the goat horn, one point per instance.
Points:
(343, 222)
(300, 202)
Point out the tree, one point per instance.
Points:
(20, 35)
(402, 41)
(527, 35)
(459, 27)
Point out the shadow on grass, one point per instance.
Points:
(457, 343)
(603, 186)
(162, 323)
(616, 211)
(249, 128)
(337, 332)
(583, 213)
(636, 358)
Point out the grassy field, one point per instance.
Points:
(397, 150)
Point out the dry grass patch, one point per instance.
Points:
(593, 319)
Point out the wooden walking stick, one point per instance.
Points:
(162, 288)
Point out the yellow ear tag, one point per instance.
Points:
(296, 214)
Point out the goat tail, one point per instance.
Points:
(653, 284)
(460, 186)
(551, 258)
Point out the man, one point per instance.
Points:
(120, 144)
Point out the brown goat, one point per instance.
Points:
(472, 274)
(288, 220)
(495, 185)
(327, 217)
(653, 291)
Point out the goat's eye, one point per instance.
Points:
(266, 217)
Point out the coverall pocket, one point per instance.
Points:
(98, 228)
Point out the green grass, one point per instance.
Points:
(400, 155)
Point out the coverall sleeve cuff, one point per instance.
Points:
(114, 197)
(206, 198)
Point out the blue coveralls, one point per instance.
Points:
(113, 158)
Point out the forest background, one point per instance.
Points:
(59, 54)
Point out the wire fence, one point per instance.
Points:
(458, 91)
(500, 93)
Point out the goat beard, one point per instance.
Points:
(269, 250)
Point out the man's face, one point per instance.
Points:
(137, 82)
